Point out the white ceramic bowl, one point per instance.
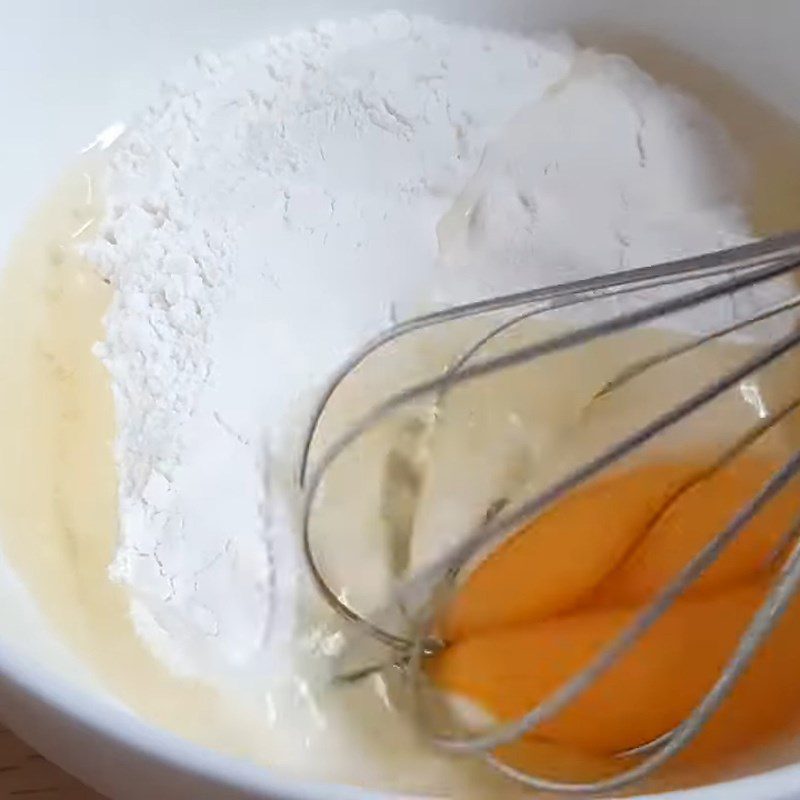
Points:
(68, 69)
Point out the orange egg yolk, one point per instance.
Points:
(535, 612)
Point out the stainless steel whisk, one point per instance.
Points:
(420, 596)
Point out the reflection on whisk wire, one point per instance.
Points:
(423, 595)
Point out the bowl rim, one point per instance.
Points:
(130, 732)
(113, 721)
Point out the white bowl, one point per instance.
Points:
(68, 69)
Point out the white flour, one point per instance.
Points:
(279, 204)
(273, 208)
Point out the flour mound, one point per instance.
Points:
(273, 208)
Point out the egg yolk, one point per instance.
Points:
(534, 613)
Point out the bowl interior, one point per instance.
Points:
(68, 70)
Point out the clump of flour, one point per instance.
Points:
(274, 207)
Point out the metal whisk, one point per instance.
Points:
(420, 596)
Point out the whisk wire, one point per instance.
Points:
(570, 691)
(425, 594)
(670, 744)
(785, 247)
(504, 523)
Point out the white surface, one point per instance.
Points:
(66, 71)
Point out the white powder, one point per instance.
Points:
(609, 171)
(272, 209)
(279, 204)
